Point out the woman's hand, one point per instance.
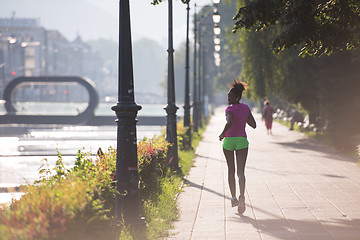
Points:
(251, 121)
(221, 137)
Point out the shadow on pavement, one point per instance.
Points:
(313, 145)
(214, 159)
(195, 185)
(281, 228)
(280, 173)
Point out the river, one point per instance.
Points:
(21, 154)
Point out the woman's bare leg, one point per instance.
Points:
(229, 155)
(241, 156)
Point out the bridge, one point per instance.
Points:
(87, 117)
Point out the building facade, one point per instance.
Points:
(28, 49)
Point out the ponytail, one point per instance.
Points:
(237, 88)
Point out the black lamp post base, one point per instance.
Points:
(171, 135)
(127, 202)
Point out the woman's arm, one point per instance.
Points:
(227, 125)
(251, 121)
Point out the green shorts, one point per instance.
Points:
(235, 143)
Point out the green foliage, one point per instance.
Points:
(186, 159)
(152, 163)
(68, 204)
(323, 86)
(319, 26)
(183, 138)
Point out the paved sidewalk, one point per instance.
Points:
(296, 188)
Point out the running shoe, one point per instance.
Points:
(234, 202)
(241, 206)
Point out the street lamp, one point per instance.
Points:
(216, 16)
(217, 29)
(195, 100)
(187, 140)
(216, 40)
(217, 62)
(171, 108)
(202, 64)
(216, 55)
(127, 200)
(200, 112)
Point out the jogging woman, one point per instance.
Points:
(237, 115)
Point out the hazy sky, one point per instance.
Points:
(152, 21)
(93, 19)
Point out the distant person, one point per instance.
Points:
(268, 112)
(295, 117)
(262, 105)
(237, 115)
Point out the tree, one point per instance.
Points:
(325, 86)
(318, 26)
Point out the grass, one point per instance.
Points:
(187, 156)
(161, 210)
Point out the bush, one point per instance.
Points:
(152, 162)
(77, 203)
(65, 205)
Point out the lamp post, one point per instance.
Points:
(200, 93)
(127, 200)
(171, 108)
(203, 98)
(203, 88)
(199, 71)
(202, 80)
(202, 72)
(2, 67)
(187, 140)
(195, 100)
